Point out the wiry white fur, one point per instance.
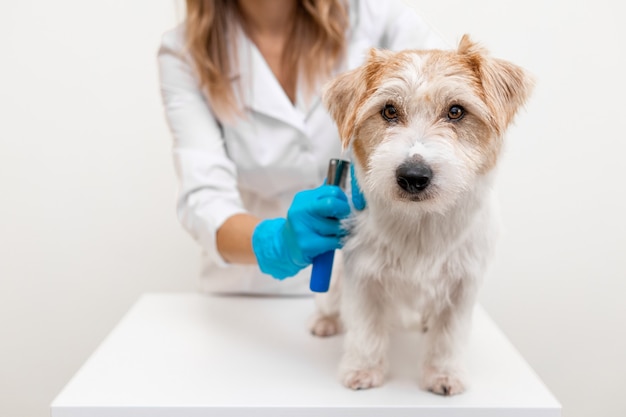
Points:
(416, 260)
(404, 259)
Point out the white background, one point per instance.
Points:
(87, 188)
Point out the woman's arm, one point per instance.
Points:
(234, 239)
(208, 197)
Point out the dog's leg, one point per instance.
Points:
(442, 371)
(364, 313)
(326, 320)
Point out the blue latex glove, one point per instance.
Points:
(284, 246)
(358, 201)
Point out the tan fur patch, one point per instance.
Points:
(499, 87)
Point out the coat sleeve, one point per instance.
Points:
(403, 27)
(207, 178)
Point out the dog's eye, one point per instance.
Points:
(456, 112)
(389, 113)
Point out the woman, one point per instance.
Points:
(240, 82)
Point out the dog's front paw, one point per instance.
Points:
(442, 383)
(363, 378)
(324, 326)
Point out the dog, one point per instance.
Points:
(425, 129)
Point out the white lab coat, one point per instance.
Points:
(258, 163)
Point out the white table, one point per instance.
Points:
(189, 355)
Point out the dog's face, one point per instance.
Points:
(424, 125)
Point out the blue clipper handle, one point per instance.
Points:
(321, 271)
(323, 264)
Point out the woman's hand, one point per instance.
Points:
(284, 246)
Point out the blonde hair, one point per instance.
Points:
(317, 43)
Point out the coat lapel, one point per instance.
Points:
(261, 91)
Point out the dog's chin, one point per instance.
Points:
(429, 200)
(414, 197)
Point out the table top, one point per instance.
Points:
(197, 355)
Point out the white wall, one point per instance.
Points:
(558, 287)
(87, 189)
(86, 186)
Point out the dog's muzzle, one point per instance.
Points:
(413, 177)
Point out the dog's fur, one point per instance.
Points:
(421, 249)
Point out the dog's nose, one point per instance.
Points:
(413, 177)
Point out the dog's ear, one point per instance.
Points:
(506, 86)
(344, 95)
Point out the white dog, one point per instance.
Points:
(425, 129)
